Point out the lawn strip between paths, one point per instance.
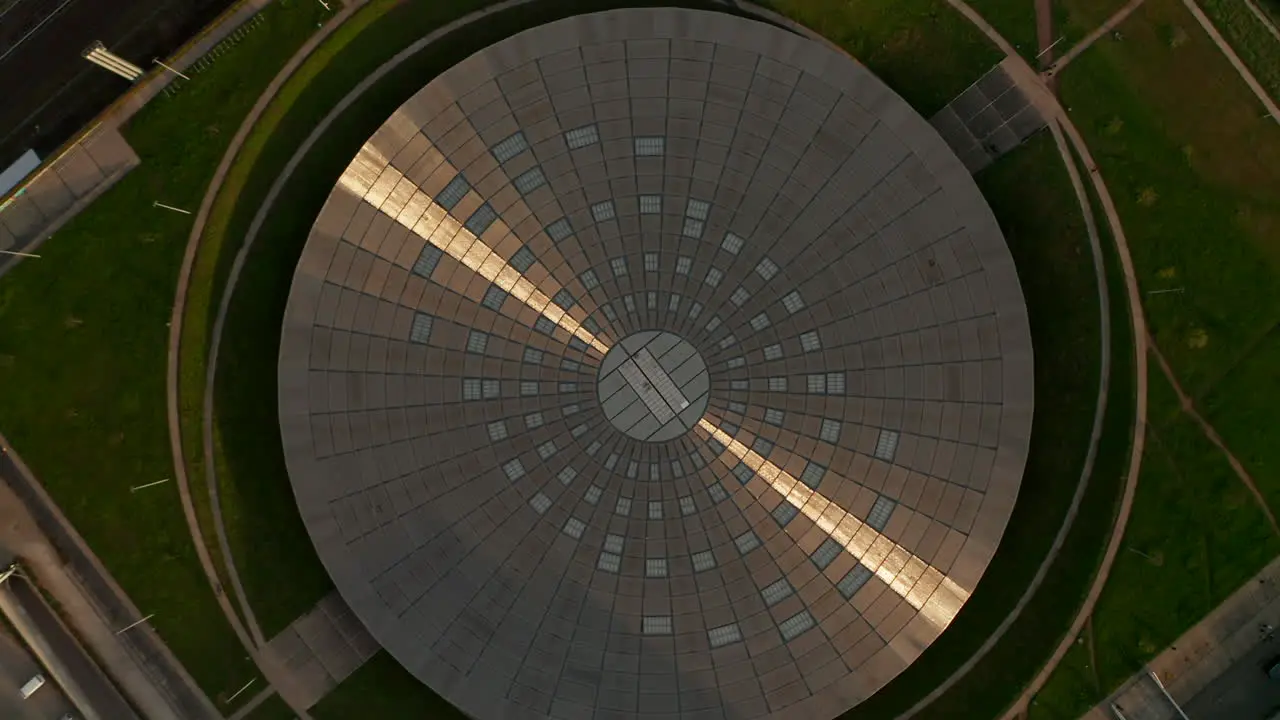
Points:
(201, 505)
(82, 333)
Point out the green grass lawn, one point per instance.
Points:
(1196, 180)
(1259, 49)
(1015, 20)
(1200, 536)
(82, 350)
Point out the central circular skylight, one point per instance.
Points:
(653, 386)
(655, 362)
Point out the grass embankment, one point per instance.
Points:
(1196, 180)
(83, 336)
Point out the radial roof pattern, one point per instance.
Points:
(655, 361)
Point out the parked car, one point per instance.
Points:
(30, 687)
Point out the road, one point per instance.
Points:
(49, 91)
(1243, 691)
(145, 649)
(62, 656)
(16, 667)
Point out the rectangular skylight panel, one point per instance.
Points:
(498, 430)
(697, 209)
(887, 445)
(795, 625)
(649, 146)
(481, 219)
(559, 230)
(420, 331)
(510, 147)
(540, 503)
(724, 635)
(530, 180)
(853, 580)
(830, 430)
(704, 560)
(453, 193)
(427, 260)
(656, 624)
(785, 513)
(581, 137)
(776, 592)
(602, 211)
(573, 527)
(880, 513)
(746, 542)
(826, 553)
(523, 259)
(766, 269)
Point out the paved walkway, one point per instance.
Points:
(1093, 37)
(1188, 666)
(322, 648)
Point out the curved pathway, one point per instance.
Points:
(251, 639)
(1034, 83)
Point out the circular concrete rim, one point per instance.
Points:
(972, 212)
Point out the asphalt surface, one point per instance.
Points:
(145, 647)
(17, 666)
(49, 90)
(80, 670)
(1243, 692)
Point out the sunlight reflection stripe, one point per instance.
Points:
(924, 587)
(419, 213)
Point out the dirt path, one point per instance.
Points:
(1189, 408)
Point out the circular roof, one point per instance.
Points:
(655, 361)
